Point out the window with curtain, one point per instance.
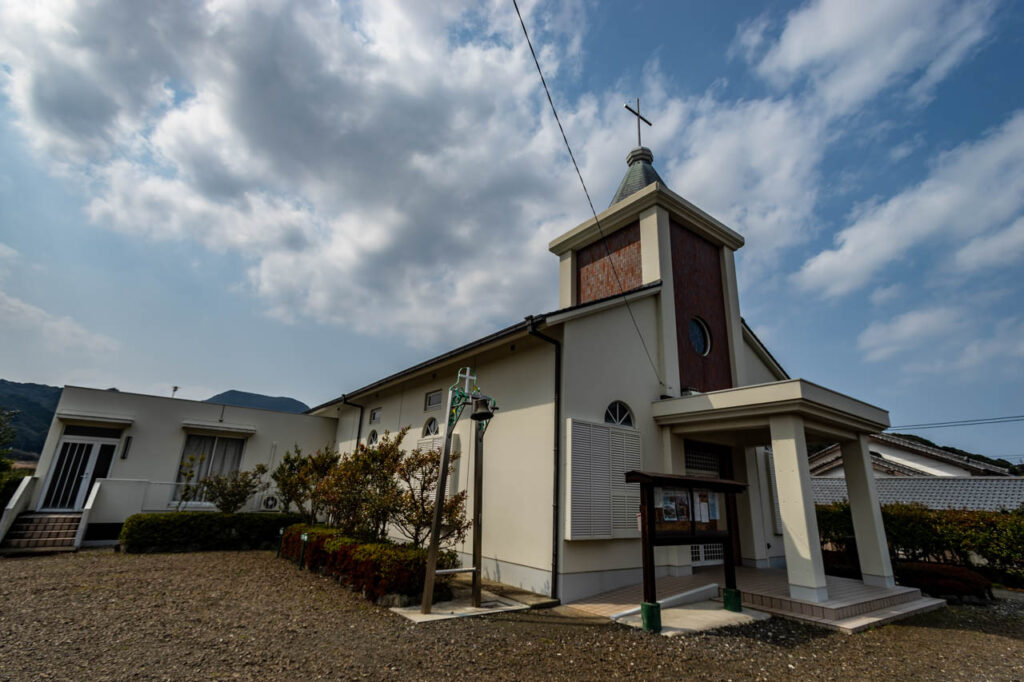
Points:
(213, 455)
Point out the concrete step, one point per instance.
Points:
(878, 617)
(40, 534)
(48, 527)
(11, 552)
(22, 543)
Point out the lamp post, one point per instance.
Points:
(462, 393)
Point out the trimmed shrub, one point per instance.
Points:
(202, 531)
(373, 569)
(988, 542)
(943, 580)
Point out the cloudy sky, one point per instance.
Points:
(297, 198)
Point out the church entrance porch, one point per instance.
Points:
(851, 607)
(785, 416)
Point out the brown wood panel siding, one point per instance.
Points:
(697, 275)
(594, 276)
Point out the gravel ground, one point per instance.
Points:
(101, 615)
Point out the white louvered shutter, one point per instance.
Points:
(600, 481)
(436, 443)
(625, 456)
(580, 502)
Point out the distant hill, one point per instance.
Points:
(35, 404)
(262, 402)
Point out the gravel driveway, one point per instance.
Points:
(247, 615)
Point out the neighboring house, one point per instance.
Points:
(645, 365)
(895, 456)
(111, 454)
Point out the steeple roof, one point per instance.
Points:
(640, 174)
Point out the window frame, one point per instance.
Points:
(426, 433)
(705, 330)
(427, 407)
(371, 438)
(176, 492)
(375, 414)
(626, 422)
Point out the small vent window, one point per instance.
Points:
(375, 415)
(432, 401)
(619, 414)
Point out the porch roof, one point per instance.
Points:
(749, 409)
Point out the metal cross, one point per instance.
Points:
(466, 374)
(636, 112)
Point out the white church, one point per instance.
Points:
(646, 365)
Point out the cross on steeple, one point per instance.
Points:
(636, 112)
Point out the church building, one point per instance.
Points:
(646, 365)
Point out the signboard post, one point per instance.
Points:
(684, 510)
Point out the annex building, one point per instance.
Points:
(646, 365)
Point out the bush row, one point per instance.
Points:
(373, 569)
(990, 542)
(203, 531)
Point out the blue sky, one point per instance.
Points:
(297, 198)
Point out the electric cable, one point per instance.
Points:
(600, 231)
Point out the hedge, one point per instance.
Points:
(203, 531)
(991, 543)
(373, 569)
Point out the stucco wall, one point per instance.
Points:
(518, 458)
(158, 437)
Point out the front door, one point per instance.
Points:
(78, 463)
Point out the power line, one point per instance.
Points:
(961, 422)
(597, 222)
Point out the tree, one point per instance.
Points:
(297, 476)
(7, 431)
(419, 472)
(191, 489)
(230, 492)
(360, 494)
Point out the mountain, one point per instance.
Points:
(35, 404)
(262, 402)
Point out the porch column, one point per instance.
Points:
(753, 544)
(872, 550)
(804, 565)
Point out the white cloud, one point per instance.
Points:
(883, 339)
(883, 295)
(392, 166)
(998, 248)
(977, 187)
(26, 325)
(851, 51)
(906, 148)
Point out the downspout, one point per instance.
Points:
(557, 451)
(359, 426)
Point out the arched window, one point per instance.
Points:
(430, 428)
(371, 440)
(618, 413)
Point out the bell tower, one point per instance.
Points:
(650, 237)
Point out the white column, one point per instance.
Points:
(656, 263)
(749, 504)
(567, 279)
(796, 503)
(872, 549)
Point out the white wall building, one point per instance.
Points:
(646, 365)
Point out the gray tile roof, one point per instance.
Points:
(991, 493)
(640, 174)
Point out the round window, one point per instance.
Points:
(700, 339)
(430, 428)
(371, 440)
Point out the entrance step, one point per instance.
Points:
(37, 533)
(835, 609)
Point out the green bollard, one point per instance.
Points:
(651, 616)
(302, 553)
(280, 541)
(732, 599)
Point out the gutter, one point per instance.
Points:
(531, 328)
(359, 426)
